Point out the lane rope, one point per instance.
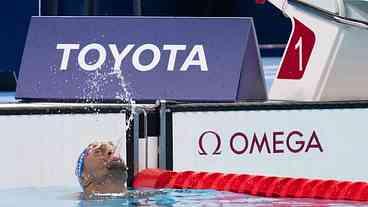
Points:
(269, 186)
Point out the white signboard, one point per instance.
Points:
(41, 150)
(326, 144)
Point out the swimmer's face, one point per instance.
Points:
(100, 162)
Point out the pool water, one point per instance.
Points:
(68, 197)
(270, 65)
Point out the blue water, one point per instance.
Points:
(270, 66)
(7, 97)
(68, 197)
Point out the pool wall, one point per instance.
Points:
(302, 140)
(41, 142)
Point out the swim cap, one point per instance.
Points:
(80, 164)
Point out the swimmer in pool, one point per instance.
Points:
(100, 172)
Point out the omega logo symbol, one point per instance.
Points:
(205, 135)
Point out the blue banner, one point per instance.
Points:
(122, 58)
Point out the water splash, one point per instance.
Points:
(97, 82)
(126, 96)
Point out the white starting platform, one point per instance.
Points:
(326, 57)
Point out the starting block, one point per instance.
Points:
(326, 56)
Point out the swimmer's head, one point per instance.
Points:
(99, 171)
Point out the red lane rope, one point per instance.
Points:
(254, 184)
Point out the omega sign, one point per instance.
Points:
(274, 142)
(196, 57)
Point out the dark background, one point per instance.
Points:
(271, 26)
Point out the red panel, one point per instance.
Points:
(298, 52)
